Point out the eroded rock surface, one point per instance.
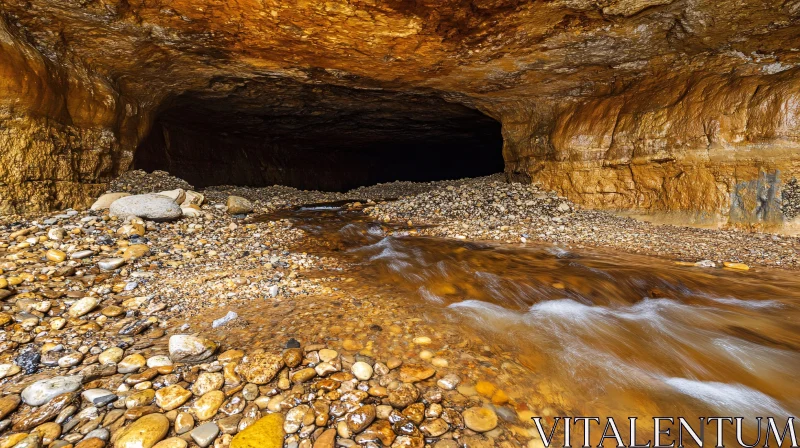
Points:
(657, 105)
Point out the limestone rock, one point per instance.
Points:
(480, 419)
(260, 367)
(105, 201)
(45, 390)
(146, 206)
(188, 348)
(238, 205)
(145, 432)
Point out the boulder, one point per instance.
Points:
(154, 207)
(238, 205)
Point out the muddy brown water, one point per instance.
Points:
(575, 333)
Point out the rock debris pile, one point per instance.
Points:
(489, 209)
(94, 355)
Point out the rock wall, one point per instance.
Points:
(668, 106)
(705, 147)
(61, 130)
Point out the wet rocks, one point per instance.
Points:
(359, 419)
(207, 406)
(172, 397)
(480, 419)
(362, 370)
(189, 348)
(109, 264)
(403, 395)
(83, 306)
(205, 434)
(45, 390)
(45, 413)
(131, 363)
(146, 206)
(413, 373)
(145, 432)
(260, 367)
(8, 404)
(266, 432)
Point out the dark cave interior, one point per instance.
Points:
(317, 137)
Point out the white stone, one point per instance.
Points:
(189, 212)
(83, 306)
(158, 361)
(224, 319)
(81, 254)
(109, 264)
(147, 206)
(362, 370)
(204, 434)
(45, 390)
(188, 348)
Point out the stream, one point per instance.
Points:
(589, 332)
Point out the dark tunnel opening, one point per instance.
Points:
(318, 138)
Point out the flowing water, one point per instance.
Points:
(588, 333)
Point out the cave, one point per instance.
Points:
(317, 137)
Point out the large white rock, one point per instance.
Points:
(45, 390)
(105, 201)
(188, 348)
(147, 206)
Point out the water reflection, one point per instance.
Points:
(598, 333)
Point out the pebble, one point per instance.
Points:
(109, 264)
(172, 442)
(294, 418)
(43, 391)
(171, 397)
(184, 422)
(147, 206)
(480, 419)
(359, 419)
(188, 348)
(111, 355)
(131, 363)
(413, 373)
(83, 306)
(145, 432)
(207, 406)
(55, 255)
(260, 367)
(98, 397)
(158, 361)
(204, 434)
(237, 205)
(104, 201)
(362, 370)
(8, 404)
(229, 317)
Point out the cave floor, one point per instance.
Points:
(449, 316)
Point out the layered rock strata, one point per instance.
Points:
(671, 106)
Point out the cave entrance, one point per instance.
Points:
(321, 138)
